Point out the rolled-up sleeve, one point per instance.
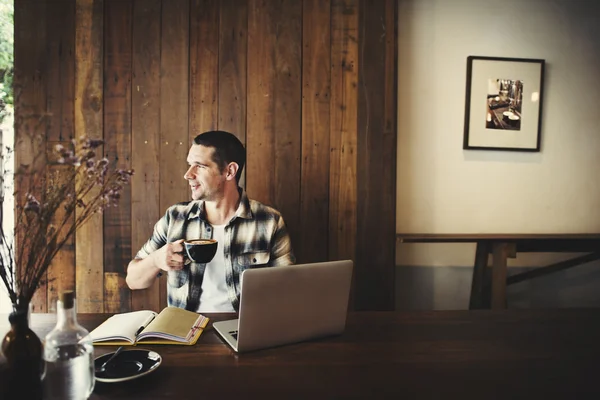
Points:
(281, 246)
(158, 238)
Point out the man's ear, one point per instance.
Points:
(231, 170)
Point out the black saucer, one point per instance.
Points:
(129, 364)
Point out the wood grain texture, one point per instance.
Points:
(115, 290)
(274, 101)
(233, 55)
(61, 69)
(89, 111)
(287, 113)
(60, 108)
(343, 131)
(384, 355)
(376, 158)
(61, 274)
(233, 48)
(145, 138)
(174, 90)
(308, 86)
(260, 171)
(204, 66)
(118, 19)
(387, 272)
(316, 85)
(30, 85)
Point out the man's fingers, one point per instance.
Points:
(176, 247)
(177, 258)
(177, 267)
(174, 256)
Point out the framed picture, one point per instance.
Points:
(503, 109)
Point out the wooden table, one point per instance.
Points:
(504, 354)
(488, 289)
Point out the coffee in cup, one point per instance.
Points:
(200, 250)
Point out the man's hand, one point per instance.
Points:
(141, 273)
(170, 257)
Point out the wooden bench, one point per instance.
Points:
(488, 289)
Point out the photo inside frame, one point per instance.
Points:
(504, 104)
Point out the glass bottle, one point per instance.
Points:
(69, 355)
(24, 363)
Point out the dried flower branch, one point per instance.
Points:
(58, 201)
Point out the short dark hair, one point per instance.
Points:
(228, 148)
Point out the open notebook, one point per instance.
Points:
(171, 326)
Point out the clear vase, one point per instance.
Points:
(69, 355)
(23, 350)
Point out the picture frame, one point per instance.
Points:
(503, 104)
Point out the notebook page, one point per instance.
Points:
(121, 326)
(173, 323)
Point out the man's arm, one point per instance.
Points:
(141, 272)
(281, 248)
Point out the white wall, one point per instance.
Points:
(445, 189)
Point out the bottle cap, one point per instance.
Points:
(67, 298)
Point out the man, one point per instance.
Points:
(249, 234)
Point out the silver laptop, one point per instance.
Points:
(283, 305)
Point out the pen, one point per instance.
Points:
(139, 330)
(144, 325)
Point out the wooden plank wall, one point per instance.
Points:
(118, 59)
(30, 88)
(89, 113)
(145, 136)
(309, 87)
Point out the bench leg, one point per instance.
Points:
(499, 273)
(478, 292)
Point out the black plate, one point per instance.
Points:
(129, 364)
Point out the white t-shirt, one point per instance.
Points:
(214, 297)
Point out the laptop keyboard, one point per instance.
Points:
(234, 334)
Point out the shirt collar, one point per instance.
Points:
(197, 209)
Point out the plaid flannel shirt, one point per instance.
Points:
(255, 237)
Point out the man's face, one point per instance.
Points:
(203, 175)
